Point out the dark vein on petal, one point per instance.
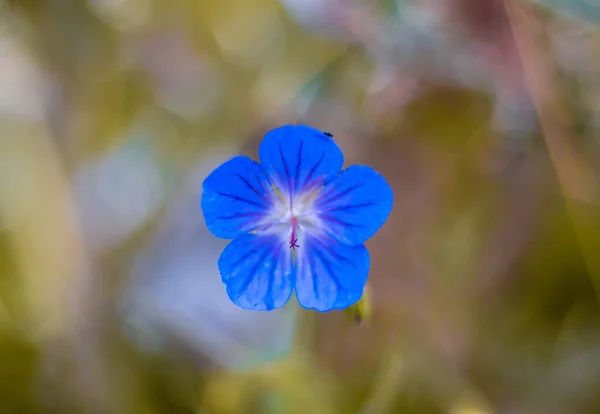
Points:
(254, 190)
(326, 264)
(250, 252)
(298, 164)
(350, 207)
(243, 200)
(331, 197)
(313, 169)
(313, 275)
(265, 227)
(287, 172)
(244, 257)
(252, 273)
(238, 215)
(269, 299)
(335, 254)
(341, 222)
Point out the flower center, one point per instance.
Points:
(290, 217)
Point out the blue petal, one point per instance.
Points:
(299, 158)
(235, 197)
(354, 204)
(257, 270)
(330, 275)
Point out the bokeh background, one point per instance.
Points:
(484, 115)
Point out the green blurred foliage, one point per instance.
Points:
(587, 10)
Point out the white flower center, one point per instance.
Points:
(292, 217)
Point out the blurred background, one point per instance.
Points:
(484, 116)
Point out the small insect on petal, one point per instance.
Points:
(360, 312)
(329, 134)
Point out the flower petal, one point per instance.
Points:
(299, 157)
(354, 204)
(330, 275)
(236, 197)
(257, 270)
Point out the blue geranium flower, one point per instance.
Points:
(297, 221)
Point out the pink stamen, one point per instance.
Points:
(294, 239)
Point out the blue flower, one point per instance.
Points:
(296, 220)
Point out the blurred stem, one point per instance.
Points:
(389, 379)
(575, 177)
(305, 332)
